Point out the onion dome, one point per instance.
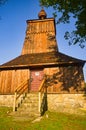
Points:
(42, 14)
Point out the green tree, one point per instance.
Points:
(68, 8)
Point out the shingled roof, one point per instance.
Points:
(41, 59)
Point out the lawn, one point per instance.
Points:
(50, 121)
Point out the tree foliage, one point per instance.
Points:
(68, 8)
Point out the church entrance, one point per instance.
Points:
(36, 79)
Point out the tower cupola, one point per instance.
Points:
(42, 14)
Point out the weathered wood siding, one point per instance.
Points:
(40, 37)
(10, 79)
(65, 79)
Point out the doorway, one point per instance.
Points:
(36, 79)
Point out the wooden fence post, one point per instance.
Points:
(39, 101)
(14, 103)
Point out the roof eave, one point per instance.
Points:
(55, 64)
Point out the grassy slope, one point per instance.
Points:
(50, 121)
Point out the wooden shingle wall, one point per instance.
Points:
(40, 37)
(10, 79)
(65, 79)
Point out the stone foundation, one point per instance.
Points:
(56, 102)
(6, 100)
(66, 102)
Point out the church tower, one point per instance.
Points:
(42, 70)
(40, 35)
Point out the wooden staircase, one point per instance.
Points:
(29, 106)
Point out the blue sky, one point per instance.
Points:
(13, 26)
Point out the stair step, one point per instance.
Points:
(32, 95)
(29, 105)
(28, 111)
(30, 101)
(22, 114)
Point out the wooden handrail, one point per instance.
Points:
(19, 91)
(41, 86)
(41, 90)
(21, 85)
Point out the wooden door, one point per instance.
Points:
(36, 79)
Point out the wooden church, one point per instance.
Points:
(41, 68)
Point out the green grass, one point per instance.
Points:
(50, 121)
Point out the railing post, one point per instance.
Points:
(39, 101)
(14, 103)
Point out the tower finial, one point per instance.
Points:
(42, 14)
